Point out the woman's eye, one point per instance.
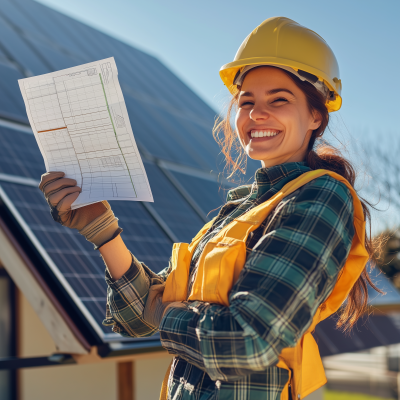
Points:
(246, 103)
(279, 99)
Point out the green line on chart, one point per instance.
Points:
(115, 133)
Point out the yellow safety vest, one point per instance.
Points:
(224, 257)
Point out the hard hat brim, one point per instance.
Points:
(229, 71)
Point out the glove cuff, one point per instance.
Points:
(102, 230)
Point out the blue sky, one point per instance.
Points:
(195, 38)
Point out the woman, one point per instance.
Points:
(237, 306)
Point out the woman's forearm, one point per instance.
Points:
(117, 257)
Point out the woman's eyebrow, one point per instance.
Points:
(273, 91)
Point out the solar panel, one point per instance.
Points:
(19, 51)
(169, 121)
(55, 58)
(72, 259)
(19, 154)
(11, 103)
(370, 331)
(208, 194)
(170, 205)
(179, 122)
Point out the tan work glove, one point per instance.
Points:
(96, 221)
(155, 309)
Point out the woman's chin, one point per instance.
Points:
(263, 156)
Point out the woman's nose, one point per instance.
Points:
(258, 113)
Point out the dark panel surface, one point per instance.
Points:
(209, 195)
(11, 102)
(19, 50)
(169, 120)
(20, 154)
(74, 257)
(171, 206)
(369, 332)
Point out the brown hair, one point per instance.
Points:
(320, 155)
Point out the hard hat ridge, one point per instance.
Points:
(283, 43)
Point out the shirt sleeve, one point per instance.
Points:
(126, 299)
(290, 271)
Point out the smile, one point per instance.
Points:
(263, 133)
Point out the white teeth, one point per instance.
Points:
(255, 134)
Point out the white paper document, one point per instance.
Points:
(81, 124)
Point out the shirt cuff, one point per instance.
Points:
(135, 270)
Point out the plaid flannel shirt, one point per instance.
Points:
(293, 261)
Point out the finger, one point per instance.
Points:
(57, 185)
(65, 203)
(56, 197)
(48, 177)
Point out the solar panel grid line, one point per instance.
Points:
(49, 261)
(10, 9)
(173, 135)
(145, 98)
(185, 194)
(70, 33)
(168, 83)
(55, 58)
(33, 32)
(160, 222)
(47, 27)
(10, 100)
(13, 31)
(25, 71)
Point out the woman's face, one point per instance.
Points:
(273, 121)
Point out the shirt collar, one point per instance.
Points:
(266, 178)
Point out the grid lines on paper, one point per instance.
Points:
(73, 116)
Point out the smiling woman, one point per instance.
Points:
(238, 305)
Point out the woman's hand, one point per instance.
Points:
(155, 308)
(96, 222)
(60, 193)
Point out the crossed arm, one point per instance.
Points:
(288, 274)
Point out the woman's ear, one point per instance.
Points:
(316, 120)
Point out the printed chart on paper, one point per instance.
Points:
(81, 124)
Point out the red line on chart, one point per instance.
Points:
(56, 129)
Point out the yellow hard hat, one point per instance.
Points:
(283, 42)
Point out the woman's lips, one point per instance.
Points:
(263, 134)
